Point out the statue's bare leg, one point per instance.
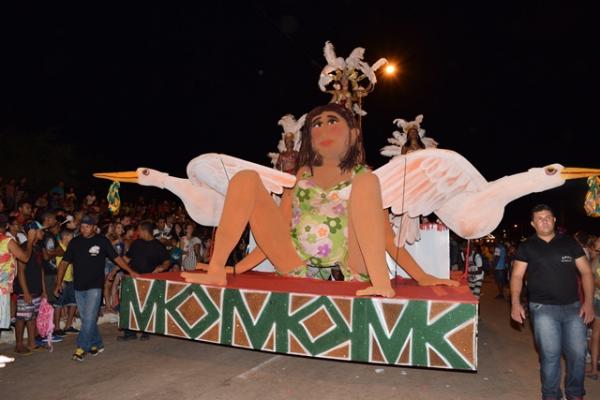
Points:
(366, 232)
(247, 200)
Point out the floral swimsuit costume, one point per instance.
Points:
(7, 275)
(320, 229)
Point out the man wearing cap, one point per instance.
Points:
(86, 253)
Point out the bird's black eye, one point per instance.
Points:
(550, 170)
(145, 171)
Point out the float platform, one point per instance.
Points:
(431, 327)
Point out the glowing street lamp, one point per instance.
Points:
(390, 69)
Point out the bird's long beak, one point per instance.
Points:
(127, 176)
(576, 172)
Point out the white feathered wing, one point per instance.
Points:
(216, 170)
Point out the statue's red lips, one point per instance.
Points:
(326, 142)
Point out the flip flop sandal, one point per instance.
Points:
(23, 352)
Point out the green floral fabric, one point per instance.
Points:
(320, 227)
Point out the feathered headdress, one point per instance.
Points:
(399, 138)
(348, 80)
(291, 127)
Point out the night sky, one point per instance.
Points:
(508, 87)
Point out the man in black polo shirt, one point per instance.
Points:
(87, 253)
(552, 262)
(146, 255)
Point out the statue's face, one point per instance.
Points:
(330, 135)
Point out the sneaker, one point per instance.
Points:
(59, 332)
(70, 330)
(79, 354)
(95, 350)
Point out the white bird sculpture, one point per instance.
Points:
(444, 182)
(203, 202)
(418, 183)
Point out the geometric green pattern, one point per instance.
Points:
(422, 333)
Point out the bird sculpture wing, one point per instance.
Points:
(203, 204)
(420, 182)
(216, 170)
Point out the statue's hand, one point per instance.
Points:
(430, 280)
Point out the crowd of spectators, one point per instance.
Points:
(56, 215)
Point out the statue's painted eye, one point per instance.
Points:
(145, 171)
(550, 170)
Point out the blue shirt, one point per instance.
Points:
(500, 252)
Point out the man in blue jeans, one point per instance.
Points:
(86, 253)
(552, 262)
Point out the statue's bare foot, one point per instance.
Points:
(230, 270)
(450, 282)
(377, 291)
(430, 280)
(210, 278)
(201, 267)
(204, 267)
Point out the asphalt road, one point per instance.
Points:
(171, 368)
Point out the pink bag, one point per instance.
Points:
(45, 321)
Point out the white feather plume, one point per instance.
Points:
(330, 56)
(358, 110)
(274, 157)
(288, 123)
(324, 80)
(378, 64)
(399, 138)
(429, 143)
(355, 58)
(400, 123)
(300, 123)
(281, 144)
(391, 151)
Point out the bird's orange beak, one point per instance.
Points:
(577, 173)
(128, 176)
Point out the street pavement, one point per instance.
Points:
(169, 368)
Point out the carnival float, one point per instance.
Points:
(342, 267)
